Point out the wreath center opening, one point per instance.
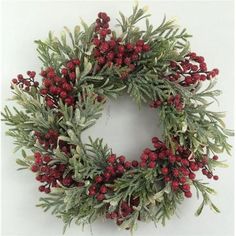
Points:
(125, 127)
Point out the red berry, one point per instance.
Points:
(34, 168)
(216, 71)
(110, 56)
(120, 168)
(100, 197)
(215, 177)
(47, 159)
(121, 159)
(192, 176)
(111, 159)
(192, 55)
(20, 77)
(96, 42)
(127, 61)
(128, 164)
(103, 32)
(70, 65)
(164, 171)
(63, 94)
(98, 179)
(175, 172)
(143, 164)
(43, 91)
(140, 42)
(152, 165)
(155, 140)
(92, 192)
(135, 163)
(38, 177)
(41, 188)
(186, 187)
(146, 48)
(188, 194)
(153, 156)
(67, 181)
(112, 43)
(175, 184)
(144, 157)
(103, 189)
(215, 158)
(37, 154)
(114, 215)
(50, 103)
(64, 71)
(172, 159)
(209, 175)
(182, 180)
(72, 75)
(32, 74)
(107, 176)
(104, 47)
(121, 49)
(14, 81)
(47, 190)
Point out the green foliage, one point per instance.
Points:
(198, 128)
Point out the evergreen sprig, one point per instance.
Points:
(195, 127)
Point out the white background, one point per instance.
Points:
(123, 126)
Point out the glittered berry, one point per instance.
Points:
(188, 194)
(135, 163)
(34, 168)
(100, 197)
(103, 189)
(186, 187)
(164, 170)
(111, 159)
(215, 177)
(121, 159)
(152, 165)
(98, 179)
(41, 188)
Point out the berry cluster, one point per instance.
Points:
(50, 174)
(178, 169)
(172, 100)
(190, 70)
(26, 83)
(115, 168)
(112, 51)
(126, 208)
(59, 87)
(49, 141)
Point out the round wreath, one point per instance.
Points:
(154, 66)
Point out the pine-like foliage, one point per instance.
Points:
(194, 127)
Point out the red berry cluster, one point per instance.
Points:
(26, 83)
(125, 209)
(206, 171)
(172, 100)
(190, 70)
(50, 141)
(50, 174)
(115, 168)
(112, 51)
(178, 169)
(57, 87)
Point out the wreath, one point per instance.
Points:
(81, 71)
